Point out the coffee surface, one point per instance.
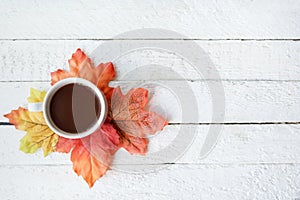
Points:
(74, 108)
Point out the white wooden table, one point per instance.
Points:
(253, 44)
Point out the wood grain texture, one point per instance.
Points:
(238, 144)
(174, 182)
(205, 19)
(245, 101)
(234, 60)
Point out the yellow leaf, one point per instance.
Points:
(38, 135)
(36, 96)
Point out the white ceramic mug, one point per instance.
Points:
(45, 105)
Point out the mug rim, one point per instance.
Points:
(55, 88)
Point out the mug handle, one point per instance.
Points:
(35, 107)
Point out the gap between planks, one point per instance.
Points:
(226, 123)
(164, 164)
(163, 39)
(183, 80)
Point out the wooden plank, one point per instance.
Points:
(174, 182)
(94, 19)
(234, 60)
(238, 144)
(191, 102)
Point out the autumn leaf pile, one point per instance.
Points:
(126, 126)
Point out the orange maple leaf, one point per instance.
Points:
(132, 120)
(91, 155)
(81, 66)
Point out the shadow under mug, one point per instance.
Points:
(45, 107)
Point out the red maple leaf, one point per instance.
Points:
(91, 155)
(132, 120)
(133, 144)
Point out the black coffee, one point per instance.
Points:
(74, 108)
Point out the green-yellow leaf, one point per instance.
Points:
(36, 96)
(38, 135)
(27, 146)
